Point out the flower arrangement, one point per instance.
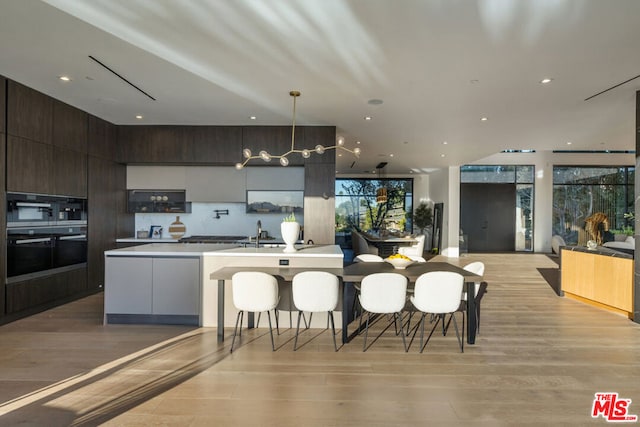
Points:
(290, 218)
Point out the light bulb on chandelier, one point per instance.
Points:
(305, 153)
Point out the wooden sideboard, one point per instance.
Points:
(603, 278)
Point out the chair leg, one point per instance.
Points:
(235, 329)
(273, 344)
(366, 331)
(439, 317)
(309, 324)
(241, 321)
(295, 343)
(404, 340)
(333, 330)
(455, 325)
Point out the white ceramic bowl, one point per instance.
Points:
(399, 263)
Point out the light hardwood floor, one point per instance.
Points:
(538, 360)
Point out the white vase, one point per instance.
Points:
(290, 232)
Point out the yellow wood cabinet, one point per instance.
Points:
(599, 279)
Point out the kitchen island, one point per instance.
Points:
(170, 283)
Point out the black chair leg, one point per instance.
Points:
(295, 343)
(366, 331)
(273, 344)
(235, 329)
(333, 330)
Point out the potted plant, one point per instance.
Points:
(290, 230)
(422, 217)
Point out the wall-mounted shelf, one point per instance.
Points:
(157, 201)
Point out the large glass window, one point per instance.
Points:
(580, 191)
(357, 205)
(523, 177)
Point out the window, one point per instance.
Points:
(356, 205)
(580, 191)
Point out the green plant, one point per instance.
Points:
(290, 218)
(628, 230)
(422, 216)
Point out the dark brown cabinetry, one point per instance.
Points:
(321, 135)
(69, 172)
(276, 140)
(215, 145)
(29, 113)
(69, 127)
(107, 220)
(33, 167)
(45, 291)
(102, 138)
(3, 106)
(29, 166)
(206, 145)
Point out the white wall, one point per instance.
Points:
(543, 199)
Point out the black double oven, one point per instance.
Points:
(45, 234)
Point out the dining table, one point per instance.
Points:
(350, 275)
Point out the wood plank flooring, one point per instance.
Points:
(538, 360)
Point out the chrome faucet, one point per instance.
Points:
(258, 234)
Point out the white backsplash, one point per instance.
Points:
(202, 221)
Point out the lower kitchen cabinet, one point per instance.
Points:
(152, 290)
(38, 292)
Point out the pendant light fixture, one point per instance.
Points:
(306, 153)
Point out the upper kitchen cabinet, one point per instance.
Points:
(29, 113)
(29, 166)
(154, 144)
(69, 127)
(102, 138)
(276, 140)
(321, 135)
(215, 145)
(3, 105)
(69, 172)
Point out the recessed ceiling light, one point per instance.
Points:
(357, 142)
(252, 117)
(444, 142)
(65, 78)
(441, 155)
(484, 119)
(139, 117)
(569, 143)
(339, 154)
(546, 80)
(367, 117)
(390, 155)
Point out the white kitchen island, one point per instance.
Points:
(170, 283)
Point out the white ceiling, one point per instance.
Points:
(437, 65)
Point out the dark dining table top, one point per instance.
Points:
(353, 272)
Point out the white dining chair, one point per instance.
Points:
(416, 249)
(438, 293)
(253, 292)
(384, 293)
(417, 258)
(315, 291)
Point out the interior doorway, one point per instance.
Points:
(488, 216)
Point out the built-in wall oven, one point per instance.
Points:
(45, 234)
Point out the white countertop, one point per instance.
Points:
(222, 249)
(170, 249)
(147, 240)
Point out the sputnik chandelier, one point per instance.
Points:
(306, 153)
